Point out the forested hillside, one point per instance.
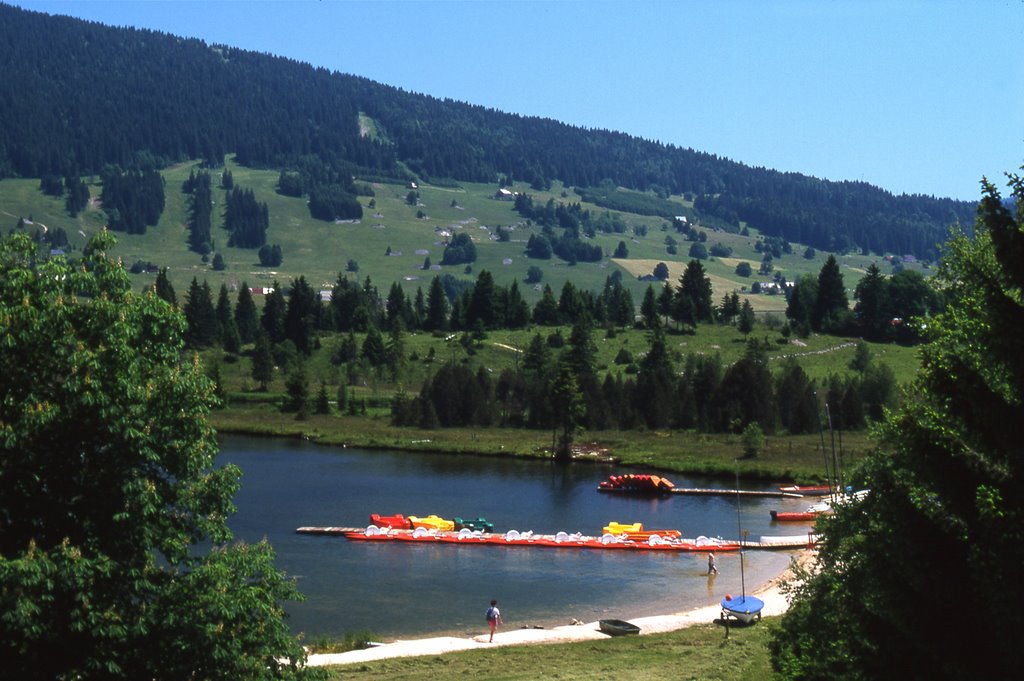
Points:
(77, 96)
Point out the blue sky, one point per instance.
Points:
(916, 97)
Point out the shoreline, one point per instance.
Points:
(775, 603)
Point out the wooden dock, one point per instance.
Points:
(787, 543)
(734, 493)
(698, 491)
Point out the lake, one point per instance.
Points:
(412, 590)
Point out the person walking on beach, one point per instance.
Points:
(493, 618)
(712, 570)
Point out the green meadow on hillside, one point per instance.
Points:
(391, 243)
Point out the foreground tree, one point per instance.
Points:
(941, 533)
(107, 487)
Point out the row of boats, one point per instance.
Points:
(815, 510)
(615, 535)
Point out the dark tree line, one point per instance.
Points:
(58, 116)
(133, 199)
(245, 219)
(697, 393)
(200, 212)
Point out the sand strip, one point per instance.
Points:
(775, 603)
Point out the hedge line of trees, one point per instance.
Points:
(699, 392)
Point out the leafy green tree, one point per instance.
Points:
(861, 357)
(459, 250)
(752, 438)
(660, 271)
(108, 492)
(942, 525)
(743, 269)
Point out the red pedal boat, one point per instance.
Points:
(397, 521)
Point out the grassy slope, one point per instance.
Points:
(320, 250)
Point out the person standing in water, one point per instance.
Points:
(493, 618)
(712, 570)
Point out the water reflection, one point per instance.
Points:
(402, 590)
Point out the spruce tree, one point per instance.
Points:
(163, 288)
(941, 527)
(831, 301)
(246, 317)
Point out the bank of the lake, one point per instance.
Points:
(783, 458)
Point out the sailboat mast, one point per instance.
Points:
(835, 463)
(739, 530)
(824, 456)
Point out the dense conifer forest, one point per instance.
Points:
(78, 97)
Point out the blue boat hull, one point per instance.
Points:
(744, 608)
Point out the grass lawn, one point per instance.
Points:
(696, 653)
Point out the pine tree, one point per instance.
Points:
(200, 316)
(873, 309)
(274, 310)
(229, 337)
(300, 321)
(246, 317)
(831, 302)
(746, 321)
(437, 307)
(262, 361)
(323, 403)
(163, 288)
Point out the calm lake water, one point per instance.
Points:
(400, 590)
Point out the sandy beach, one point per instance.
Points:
(775, 603)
